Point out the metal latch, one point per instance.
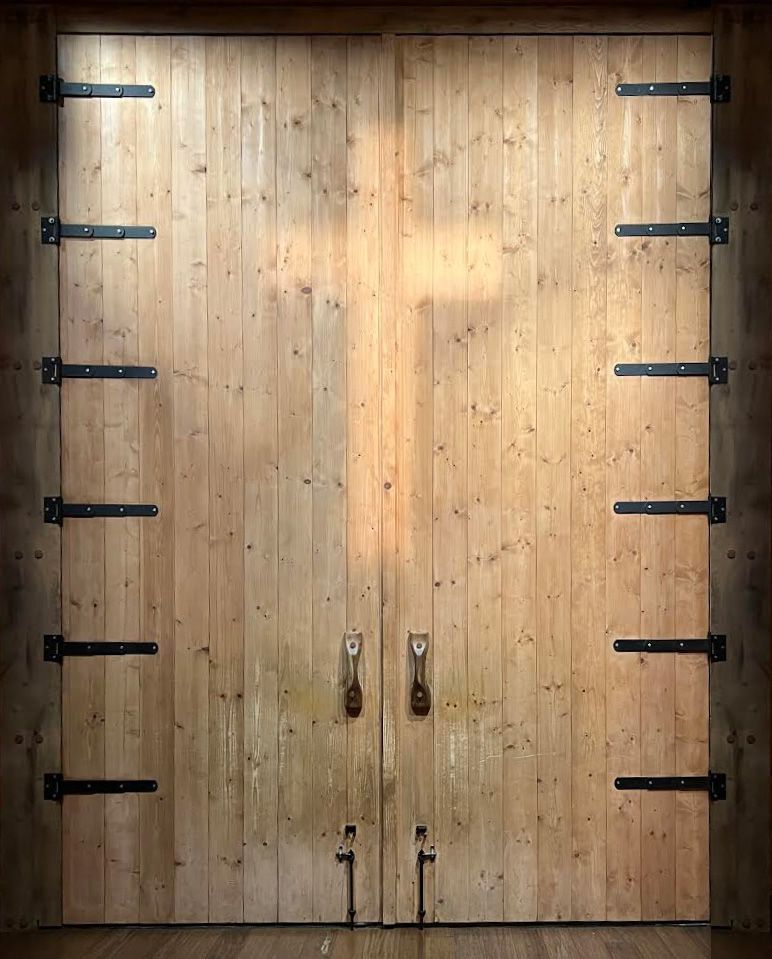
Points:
(420, 696)
(353, 698)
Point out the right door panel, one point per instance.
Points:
(507, 438)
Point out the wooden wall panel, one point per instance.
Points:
(741, 423)
(155, 299)
(623, 481)
(518, 462)
(363, 538)
(261, 566)
(190, 432)
(30, 689)
(553, 476)
(83, 480)
(120, 400)
(589, 501)
(330, 445)
(658, 453)
(449, 530)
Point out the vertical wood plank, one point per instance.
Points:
(83, 464)
(226, 474)
(121, 483)
(331, 482)
(30, 560)
(657, 445)
(451, 206)
(156, 483)
(258, 245)
(486, 900)
(553, 477)
(623, 482)
(191, 480)
(518, 491)
(414, 526)
(389, 252)
(691, 482)
(294, 215)
(740, 466)
(588, 482)
(363, 460)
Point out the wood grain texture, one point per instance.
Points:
(83, 480)
(383, 19)
(741, 421)
(623, 481)
(330, 444)
(294, 213)
(588, 479)
(518, 464)
(190, 431)
(553, 476)
(658, 455)
(226, 479)
(118, 131)
(155, 298)
(692, 482)
(363, 487)
(261, 566)
(488, 943)
(449, 531)
(390, 182)
(30, 691)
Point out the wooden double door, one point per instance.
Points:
(384, 300)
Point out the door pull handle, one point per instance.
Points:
(353, 695)
(420, 697)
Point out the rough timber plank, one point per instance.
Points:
(190, 431)
(741, 421)
(261, 567)
(30, 563)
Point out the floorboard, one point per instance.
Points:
(489, 942)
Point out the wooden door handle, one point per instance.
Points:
(420, 697)
(353, 696)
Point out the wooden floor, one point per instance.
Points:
(518, 942)
(609, 942)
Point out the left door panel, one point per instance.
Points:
(258, 301)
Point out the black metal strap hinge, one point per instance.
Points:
(713, 783)
(56, 787)
(718, 88)
(714, 645)
(716, 369)
(55, 511)
(53, 89)
(716, 229)
(52, 230)
(54, 371)
(714, 508)
(55, 649)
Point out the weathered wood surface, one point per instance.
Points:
(30, 690)
(740, 464)
(383, 19)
